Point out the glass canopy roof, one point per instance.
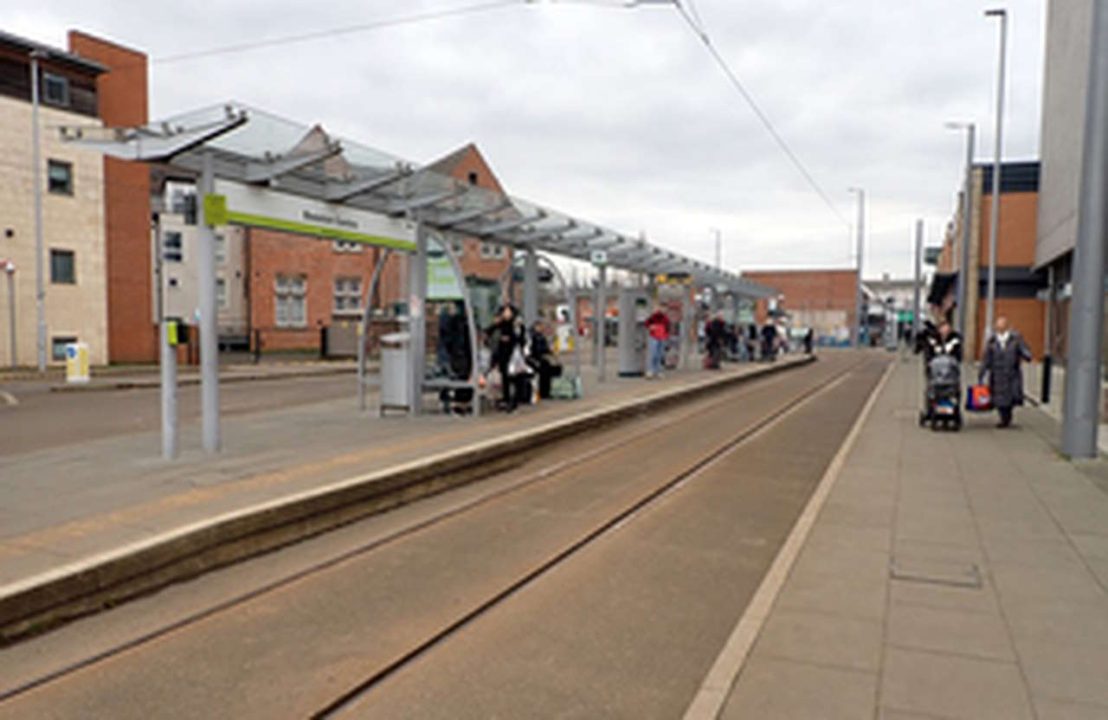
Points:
(255, 147)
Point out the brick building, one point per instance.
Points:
(73, 197)
(122, 101)
(1017, 280)
(824, 300)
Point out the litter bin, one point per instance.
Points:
(396, 371)
(76, 362)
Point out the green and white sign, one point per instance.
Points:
(442, 282)
(275, 210)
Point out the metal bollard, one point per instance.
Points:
(1045, 394)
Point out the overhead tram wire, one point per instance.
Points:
(345, 30)
(702, 35)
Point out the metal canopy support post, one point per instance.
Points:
(1083, 385)
(917, 308)
(209, 341)
(363, 328)
(530, 287)
(687, 331)
(417, 313)
(601, 316)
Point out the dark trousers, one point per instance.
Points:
(1005, 415)
(506, 394)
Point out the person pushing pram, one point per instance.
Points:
(942, 353)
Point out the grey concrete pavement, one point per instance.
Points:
(949, 575)
(67, 503)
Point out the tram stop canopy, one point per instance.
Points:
(341, 189)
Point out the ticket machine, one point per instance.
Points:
(634, 309)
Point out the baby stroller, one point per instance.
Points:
(944, 389)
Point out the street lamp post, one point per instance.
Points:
(40, 252)
(1081, 405)
(994, 215)
(719, 248)
(856, 329)
(967, 211)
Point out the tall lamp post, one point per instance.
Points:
(994, 215)
(40, 253)
(1081, 406)
(859, 321)
(967, 212)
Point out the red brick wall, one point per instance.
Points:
(809, 290)
(132, 336)
(272, 253)
(1024, 314)
(1015, 245)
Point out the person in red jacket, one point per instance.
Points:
(657, 331)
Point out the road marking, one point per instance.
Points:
(716, 688)
(9, 399)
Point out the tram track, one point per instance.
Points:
(611, 522)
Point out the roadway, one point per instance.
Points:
(599, 578)
(39, 419)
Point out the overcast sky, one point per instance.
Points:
(619, 115)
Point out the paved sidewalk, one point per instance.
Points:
(949, 575)
(70, 503)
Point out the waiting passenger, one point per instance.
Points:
(507, 341)
(657, 335)
(542, 359)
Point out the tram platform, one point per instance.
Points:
(933, 575)
(71, 512)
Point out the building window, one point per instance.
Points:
(291, 300)
(221, 292)
(459, 248)
(57, 346)
(492, 251)
(63, 270)
(348, 246)
(59, 177)
(473, 178)
(348, 295)
(220, 249)
(55, 90)
(173, 248)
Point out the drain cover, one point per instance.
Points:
(936, 572)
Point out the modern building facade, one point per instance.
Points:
(1065, 80)
(73, 198)
(1018, 281)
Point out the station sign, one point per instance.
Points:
(599, 257)
(234, 203)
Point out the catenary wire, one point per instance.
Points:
(702, 35)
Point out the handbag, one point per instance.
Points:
(979, 398)
(517, 364)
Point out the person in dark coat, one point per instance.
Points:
(769, 342)
(542, 359)
(1004, 353)
(715, 333)
(505, 336)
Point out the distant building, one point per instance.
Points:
(74, 203)
(824, 300)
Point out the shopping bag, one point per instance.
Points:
(978, 398)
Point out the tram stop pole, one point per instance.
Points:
(601, 321)
(1081, 405)
(417, 327)
(530, 287)
(209, 342)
